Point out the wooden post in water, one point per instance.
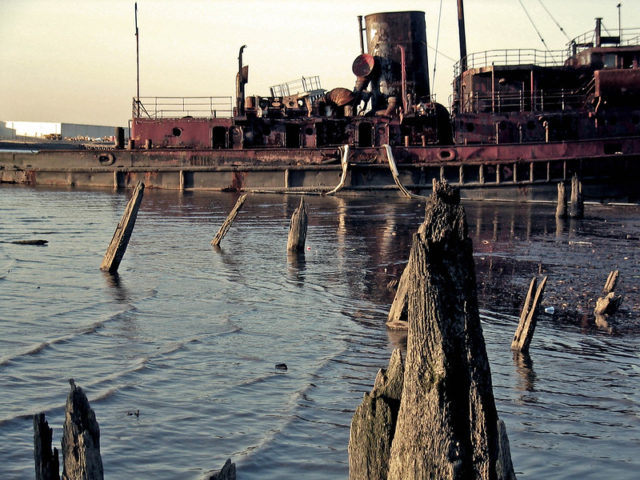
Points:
(447, 425)
(528, 317)
(120, 240)
(577, 202)
(81, 439)
(298, 229)
(47, 463)
(227, 223)
(561, 209)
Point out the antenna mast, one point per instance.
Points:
(137, 65)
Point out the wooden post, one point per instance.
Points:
(577, 202)
(609, 303)
(81, 439)
(227, 223)
(120, 240)
(561, 208)
(47, 464)
(298, 229)
(227, 472)
(527, 324)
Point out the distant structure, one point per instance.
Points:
(12, 130)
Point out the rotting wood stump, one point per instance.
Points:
(298, 229)
(80, 439)
(447, 425)
(561, 207)
(528, 317)
(46, 460)
(121, 236)
(229, 220)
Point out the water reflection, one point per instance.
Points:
(524, 367)
(297, 263)
(116, 287)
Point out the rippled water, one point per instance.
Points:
(188, 336)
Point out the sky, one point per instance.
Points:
(75, 61)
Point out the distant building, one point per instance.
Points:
(55, 131)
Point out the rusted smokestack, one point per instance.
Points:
(463, 37)
(598, 32)
(385, 33)
(360, 33)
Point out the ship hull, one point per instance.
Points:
(517, 172)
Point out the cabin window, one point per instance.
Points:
(177, 131)
(365, 135)
(610, 60)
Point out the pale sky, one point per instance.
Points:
(75, 60)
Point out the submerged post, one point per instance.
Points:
(609, 303)
(121, 236)
(298, 228)
(227, 223)
(81, 439)
(577, 202)
(561, 208)
(447, 425)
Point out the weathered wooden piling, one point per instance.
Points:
(447, 425)
(561, 208)
(528, 316)
(46, 460)
(121, 236)
(373, 423)
(227, 223)
(298, 229)
(80, 439)
(577, 201)
(609, 303)
(227, 472)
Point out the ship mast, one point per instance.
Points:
(463, 37)
(137, 65)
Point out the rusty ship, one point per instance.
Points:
(519, 122)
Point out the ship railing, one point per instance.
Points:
(625, 37)
(539, 101)
(178, 107)
(299, 85)
(506, 57)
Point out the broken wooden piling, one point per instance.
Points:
(227, 223)
(528, 317)
(397, 317)
(447, 425)
(121, 236)
(561, 208)
(609, 303)
(577, 201)
(46, 460)
(227, 472)
(298, 229)
(80, 439)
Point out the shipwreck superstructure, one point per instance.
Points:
(519, 122)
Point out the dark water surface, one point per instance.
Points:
(188, 336)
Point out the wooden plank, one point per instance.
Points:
(227, 223)
(121, 236)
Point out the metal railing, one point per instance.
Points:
(178, 107)
(628, 36)
(540, 101)
(304, 84)
(520, 56)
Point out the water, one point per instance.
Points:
(188, 336)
